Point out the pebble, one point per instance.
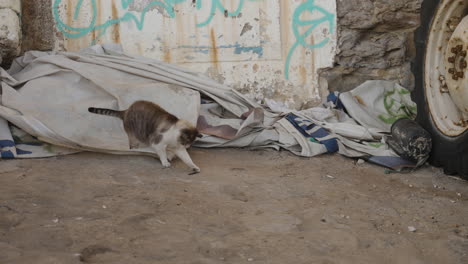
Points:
(411, 228)
(361, 161)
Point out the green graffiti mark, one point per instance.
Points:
(393, 98)
(138, 19)
(376, 145)
(308, 7)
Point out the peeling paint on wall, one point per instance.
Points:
(266, 48)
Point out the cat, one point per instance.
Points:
(147, 124)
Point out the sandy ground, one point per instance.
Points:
(245, 207)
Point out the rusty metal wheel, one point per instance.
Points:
(441, 90)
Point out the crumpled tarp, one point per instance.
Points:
(47, 95)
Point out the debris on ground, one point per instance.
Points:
(354, 124)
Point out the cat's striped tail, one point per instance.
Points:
(106, 112)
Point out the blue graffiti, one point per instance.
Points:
(238, 49)
(215, 7)
(308, 7)
(138, 19)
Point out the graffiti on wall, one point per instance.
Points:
(308, 26)
(302, 28)
(69, 31)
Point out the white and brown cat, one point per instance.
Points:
(147, 124)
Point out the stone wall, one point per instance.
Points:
(38, 25)
(10, 30)
(375, 41)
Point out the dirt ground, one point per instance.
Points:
(245, 207)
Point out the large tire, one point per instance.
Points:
(450, 153)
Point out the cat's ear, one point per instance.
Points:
(199, 135)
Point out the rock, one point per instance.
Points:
(9, 34)
(397, 14)
(372, 50)
(375, 42)
(344, 79)
(411, 228)
(356, 14)
(380, 15)
(14, 5)
(38, 25)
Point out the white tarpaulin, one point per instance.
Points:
(47, 95)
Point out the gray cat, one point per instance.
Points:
(147, 124)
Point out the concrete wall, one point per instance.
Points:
(251, 46)
(10, 30)
(265, 48)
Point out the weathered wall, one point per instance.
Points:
(10, 30)
(375, 41)
(266, 48)
(38, 25)
(252, 46)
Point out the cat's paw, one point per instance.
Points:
(166, 164)
(170, 156)
(195, 171)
